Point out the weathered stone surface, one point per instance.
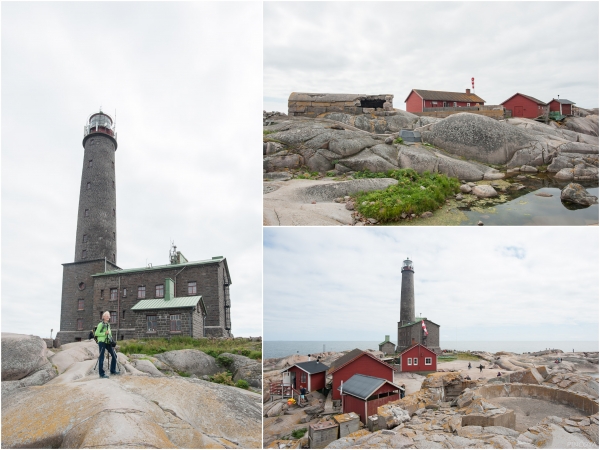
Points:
(585, 125)
(276, 163)
(528, 376)
(22, 355)
(477, 137)
(369, 159)
(576, 193)
(484, 191)
(190, 361)
(329, 191)
(421, 159)
(147, 367)
(138, 412)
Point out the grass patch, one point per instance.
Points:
(183, 373)
(398, 140)
(447, 358)
(467, 356)
(266, 132)
(242, 384)
(307, 175)
(223, 378)
(212, 347)
(414, 194)
(297, 434)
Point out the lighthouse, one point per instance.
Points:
(407, 293)
(97, 215)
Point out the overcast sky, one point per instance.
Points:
(185, 80)
(541, 49)
(483, 283)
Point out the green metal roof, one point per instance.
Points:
(161, 303)
(215, 259)
(418, 320)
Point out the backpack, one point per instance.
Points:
(92, 335)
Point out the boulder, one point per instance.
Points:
(576, 193)
(75, 352)
(190, 361)
(376, 159)
(421, 159)
(276, 163)
(329, 191)
(143, 365)
(528, 376)
(22, 355)
(484, 191)
(132, 412)
(243, 368)
(477, 137)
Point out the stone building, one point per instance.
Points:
(184, 297)
(386, 346)
(410, 330)
(313, 105)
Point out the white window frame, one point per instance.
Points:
(415, 361)
(468, 104)
(409, 362)
(428, 363)
(455, 104)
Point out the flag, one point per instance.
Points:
(424, 327)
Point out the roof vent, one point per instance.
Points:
(217, 257)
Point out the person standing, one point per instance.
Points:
(104, 336)
(402, 391)
(480, 367)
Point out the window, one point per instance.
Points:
(86, 213)
(151, 324)
(141, 291)
(90, 162)
(415, 361)
(175, 323)
(409, 361)
(160, 291)
(114, 236)
(113, 184)
(113, 317)
(468, 104)
(114, 257)
(85, 238)
(445, 104)
(455, 104)
(89, 185)
(303, 377)
(434, 103)
(77, 339)
(101, 295)
(427, 361)
(113, 164)
(80, 304)
(79, 324)
(84, 253)
(192, 288)
(81, 286)
(114, 212)
(124, 292)
(114, 292)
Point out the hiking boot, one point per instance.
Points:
(103, 376)
(116, 373)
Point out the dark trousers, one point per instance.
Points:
(113, 363)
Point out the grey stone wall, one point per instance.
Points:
(406, 334)
(387, 348)
(209, 284)
(74, 274)
(313, 105)
(100, 226)
(189, 323)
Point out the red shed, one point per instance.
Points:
(363, 394)
(526, 106)
(420, 98)
(310, 374)
(357, 362)
(418, 358)
(562, 105)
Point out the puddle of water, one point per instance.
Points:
(531, 209)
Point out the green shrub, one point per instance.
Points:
(224, 361)
(255, 354)
(297, 434)
(414, 194)
(242, 384)
(184, 374)
(222, 378)
(398, 140)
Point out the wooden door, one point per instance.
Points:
(518, 111)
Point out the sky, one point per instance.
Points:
(482, 283)
(541, 49)
(185, 81)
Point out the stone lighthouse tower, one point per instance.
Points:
(97, 216)
(407, 294)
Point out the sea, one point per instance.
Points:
(279, 349)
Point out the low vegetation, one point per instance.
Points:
(212, 347)
(398, 140)
(414, 194)
(223, 378)
(297, 434)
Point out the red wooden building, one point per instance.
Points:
(418, 358)
(363, 394)
(562, 105)
(308, 374)
(525, 106)
(418, 99)
(357, 362)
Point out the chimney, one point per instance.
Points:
(387, 338)
(169, 289)
(413, 341)
(468, 91)
(309, 357)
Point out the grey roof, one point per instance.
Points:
(310, 367)
(363, 386)
(564, 101)
(418, 321)
(161, 303)
(447, 96)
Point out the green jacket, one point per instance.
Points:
(103, 331)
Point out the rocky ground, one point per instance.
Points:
(477, 150)
(425, 419)
(56, 399)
